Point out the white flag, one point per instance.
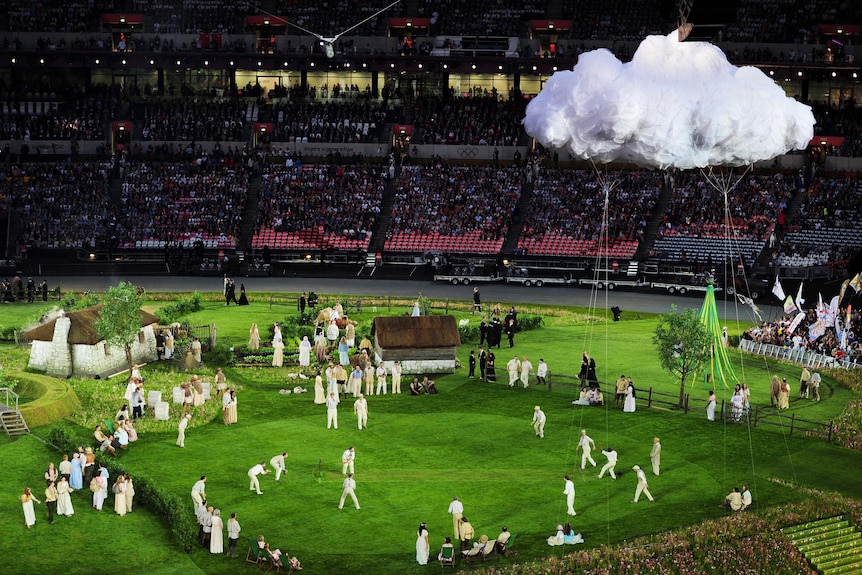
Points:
(799, 300)
(778, 290)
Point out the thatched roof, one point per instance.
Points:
(82, 330)
(416, 332)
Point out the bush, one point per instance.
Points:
(7, 333)
(469, 332)
(529, 321)
(73, 301)
(168, 506)
(173, 311)
(222, 354)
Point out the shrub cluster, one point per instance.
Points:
(174, 310)
(73, 301)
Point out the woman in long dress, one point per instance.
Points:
(710, 406)
(64, 498)
(130, 493)
(243, 299)
(784, 395)
(27, 500)
(558, 539)
(320, 347)
(343, 352)
(591, 371)
(216, 537)
(231, 411)
(629, 405)
(422, 545)
(319, 393)
(253, 337)
(304, 352)
(490, 369)
(278, 354)
(102, 494)
(120, 496)
(585, 367)
(169, 344)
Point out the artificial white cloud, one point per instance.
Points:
(676, 104)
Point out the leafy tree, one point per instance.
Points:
(120, 318)
(683, 345)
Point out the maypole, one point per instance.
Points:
(720, 367)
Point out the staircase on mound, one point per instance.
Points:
(832, 545)
(12, 421)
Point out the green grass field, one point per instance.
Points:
(473, 439)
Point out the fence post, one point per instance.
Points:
(723, 418)
(756, 415)
(270, 301)
(549, 381)
(389, 303)
(446, 307)
(649, 398)
(829, 437)
(792, 419)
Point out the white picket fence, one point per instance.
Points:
(800, 356)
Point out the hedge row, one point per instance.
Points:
(170, 507)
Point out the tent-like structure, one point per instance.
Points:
(69, 345)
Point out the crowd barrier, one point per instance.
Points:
(801, 356)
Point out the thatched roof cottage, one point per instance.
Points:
(69, 345)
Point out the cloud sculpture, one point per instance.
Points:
(676, 104)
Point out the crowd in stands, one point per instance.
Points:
(486, 18)
(827, 227)
(571, 202)
(48, 16)
(341, 200)
(195, 16)
(351, 122)
(192, 119)
(773, 21)
(331, 17)
(69, 115)
(60, 204)
(180, 202)
(843, 121)
(616, 19)
(697, 208)
(472, 120)
(454, 200)
(806, 336)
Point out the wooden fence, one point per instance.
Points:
(653, 398)
(767, 416)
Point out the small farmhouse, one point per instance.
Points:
(69, 345)
(423, 345)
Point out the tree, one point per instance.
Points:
(682, 342)
(120, 317)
